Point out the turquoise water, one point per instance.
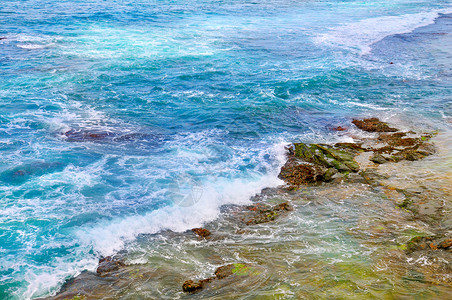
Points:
(117, 116)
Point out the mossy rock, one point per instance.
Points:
(310, 154)
(328, 176)
(237, 269)
(335, 153)
(378, 158)
(340, 166)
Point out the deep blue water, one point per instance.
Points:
(117, 116)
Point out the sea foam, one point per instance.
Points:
(359, 36)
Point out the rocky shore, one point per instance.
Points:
(409, 239)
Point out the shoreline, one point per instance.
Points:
(308, 178)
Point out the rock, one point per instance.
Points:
(263, 213)
(420, 243)
(328, 176)
(373, 125)
(283, 206)
(445, 244)
(339, 128)
(315, 163)
(190, 286)
(202, 232)
(297, 173)
(234, 269)
(74, 135)
(86, 285)
(372, 177)
(426, 149)
(339, 155)
(2, 38)
(350, 147)
(311, 154)
(410, 155)
(237, 270)
(225, 271)
(378, 159)
(109, 264)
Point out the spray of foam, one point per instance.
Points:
(360, 36)
(44, 281)
(111, 237)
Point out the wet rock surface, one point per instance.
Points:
(316, 163)
(261, 213)
(233, 272)
(429, 243)
(74, 135)
(373, 125)
(109, 264)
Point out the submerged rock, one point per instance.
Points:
(85, 286)
(420, 243)
(235, 272)
(373, 125)
(191, 286)
(378, 158)
(260, 213)
(74, 135)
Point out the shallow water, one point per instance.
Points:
(116, 117)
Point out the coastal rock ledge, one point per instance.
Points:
(317, 163)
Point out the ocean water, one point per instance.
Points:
(121, 118)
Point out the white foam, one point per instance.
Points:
(33, 46)
(360, 36)
(109, 238)
(44, 281)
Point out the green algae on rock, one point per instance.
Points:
(316, 163)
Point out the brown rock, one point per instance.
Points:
(202, 232)
(378, 158)
(283, 206)
(297, 173)
(263, 213)
(190, 286)
(224, 271)
(109, 264)
(373, 125)
(447, 243)
(355, 148)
